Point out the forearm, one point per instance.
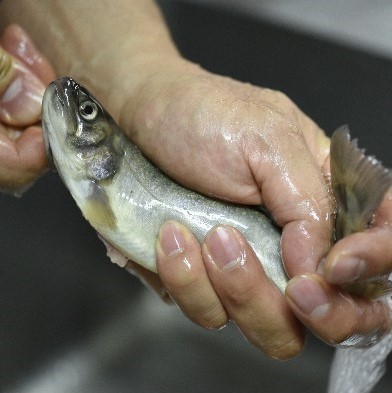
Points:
(107, 46)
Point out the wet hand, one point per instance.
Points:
(322, 304)
(248, 145)
(359, 262)
(254, 146)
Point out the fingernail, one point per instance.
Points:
(345, 269)
(308, 295)
(224, 248)
(171, 239)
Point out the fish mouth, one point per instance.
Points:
(65, 89)
(58, 95)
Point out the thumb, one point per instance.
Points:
(23, 75)
(296, 194)
(21, 93)
(18, 43)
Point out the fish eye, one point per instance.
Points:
(88, 110)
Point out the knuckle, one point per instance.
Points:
(214, 317)
(237, 297)
(367, 325)
(184, 282)
(286, 349)
(343, 333)
(178, 277)
(282, 99)
(275, 97)
(283, 103)
(281, 346)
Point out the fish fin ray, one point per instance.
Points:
(359, 183)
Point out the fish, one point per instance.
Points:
(126, 198)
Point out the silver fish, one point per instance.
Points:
(126, 198)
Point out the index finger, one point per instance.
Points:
(363, 254)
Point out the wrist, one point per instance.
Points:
(109, 49)
(121, 80)
(149, 95)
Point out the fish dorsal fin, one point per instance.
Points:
(359, 183)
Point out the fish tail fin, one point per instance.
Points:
(359, 183)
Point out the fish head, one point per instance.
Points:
(84, 144)
(78, 132)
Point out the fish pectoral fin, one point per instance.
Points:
(97, 209)
(359, 183)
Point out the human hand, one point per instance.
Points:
(221, 137)
(360, 263)
(250, 146)
(24, 76)
(219, 129)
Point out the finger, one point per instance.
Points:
(333, 315)
(16, 41)
(21, 91)
(295, 192)
(364, 254)
(359, 256)
(21, 160)
(149, 279)
(21, 99)
(181, 269)
(252, 301)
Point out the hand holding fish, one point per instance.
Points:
(254, 146)
(232, 141)
(24, 74)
